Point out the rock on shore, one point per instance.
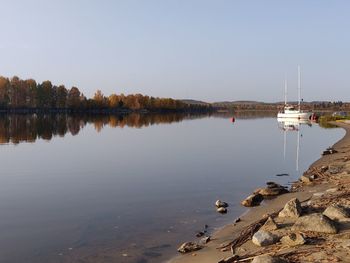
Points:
(316, 223)
(189, 247)
(291, 209)
(264, 238)
(336, 212)
(272, 189)
(252, 200)
(269, 225)
(293, 239)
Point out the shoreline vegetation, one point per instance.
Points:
(311, 223)
(28, 96)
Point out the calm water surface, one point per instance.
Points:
(130, 189)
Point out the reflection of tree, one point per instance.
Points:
(73, 125)
(18, 128)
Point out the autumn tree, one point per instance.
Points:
(4, 91)
(73, 99)
(100, 100)
(44, 94)
(113, 101)
(31, 87)
(61, 100)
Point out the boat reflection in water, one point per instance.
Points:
(292, 125)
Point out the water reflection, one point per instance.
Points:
(30, 127)
(245, 114)
(18, 128)
(292, 125)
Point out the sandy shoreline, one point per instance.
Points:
(211, 252)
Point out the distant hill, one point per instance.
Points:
(237, 102)
(238, 105)
(195, 102)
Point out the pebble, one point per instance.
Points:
(221, 210)
(220, 203)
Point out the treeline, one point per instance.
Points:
(18, 94)
(261, 106)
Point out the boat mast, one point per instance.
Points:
(285, 91)
(299, 87)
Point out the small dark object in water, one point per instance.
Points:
(200, 234)
(238, 220)
(206, 226)
(282, 174)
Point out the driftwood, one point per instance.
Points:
(247, 233)
(280, 253)
(318, 172)
(252, 257)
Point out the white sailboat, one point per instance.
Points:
(290, 111)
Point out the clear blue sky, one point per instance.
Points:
(209, 50)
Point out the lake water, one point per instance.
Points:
(131, 189)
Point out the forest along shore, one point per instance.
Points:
(311, 223)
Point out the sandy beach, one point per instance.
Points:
(315, 194)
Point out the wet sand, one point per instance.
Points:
(304, 192)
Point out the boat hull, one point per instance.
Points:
(296, 115)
